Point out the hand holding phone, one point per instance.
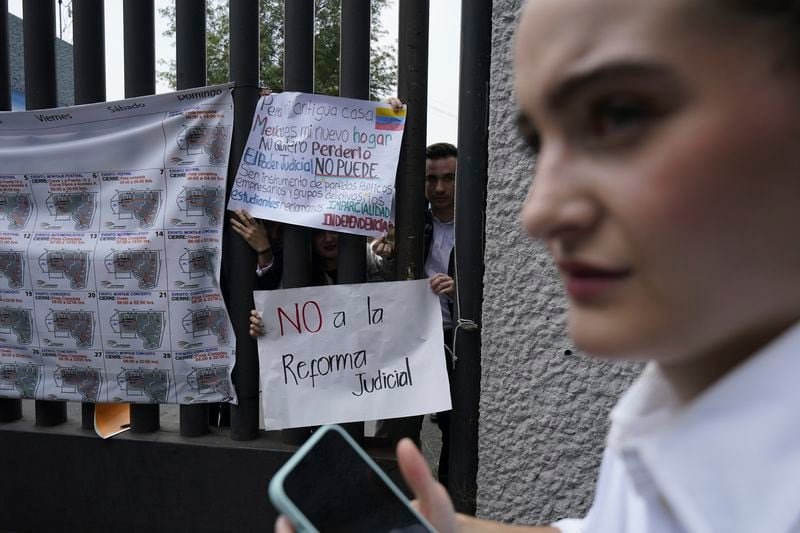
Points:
(330, 484)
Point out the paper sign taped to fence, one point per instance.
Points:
(322, 162)
(345, 353)
(111, 229)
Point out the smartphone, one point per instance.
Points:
(330, 485)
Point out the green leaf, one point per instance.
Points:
(383, 65)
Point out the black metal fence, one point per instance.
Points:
(216, 481)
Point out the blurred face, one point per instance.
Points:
(440, 185)
(667, 182)
(326, 244)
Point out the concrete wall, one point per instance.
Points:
(544, 406)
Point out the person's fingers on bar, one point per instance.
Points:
(383, 248)
(238, 229)
(395, 102)
(247, 222)
(256, 322)
(256, 330)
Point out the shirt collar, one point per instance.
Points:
(730, 459)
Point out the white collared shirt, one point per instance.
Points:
(439, 259)
(727, 462)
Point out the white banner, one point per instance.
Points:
(322, 162)
(110, 235)
(345, 353)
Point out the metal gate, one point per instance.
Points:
(57, 475)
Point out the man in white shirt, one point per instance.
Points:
(438, 239)
(440, 187)
(439, 236)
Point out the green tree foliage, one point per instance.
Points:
(383, 67)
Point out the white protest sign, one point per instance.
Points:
(345, 353)
(321, 162)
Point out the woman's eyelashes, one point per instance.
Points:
(603, 121)
(616, 120)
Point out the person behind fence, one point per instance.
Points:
(438, 239)
(324, 255)
(266, 238)
(666, 190)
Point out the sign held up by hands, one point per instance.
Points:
(347, 353)
(322, 162)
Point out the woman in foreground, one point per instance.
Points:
(667, 189)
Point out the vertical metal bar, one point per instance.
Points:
(190, 52)
(353, 83)
(140, 47)
(10, 409)
(240, 259)
(410, 184)
(354, 49)
(190, 25)
(354, 32)
(412, 89)
(88, 51)
(298, 75)
(5, 60)
(138, 18)
(39, 37)
(473, 156)
(89, 75)
(39, 29)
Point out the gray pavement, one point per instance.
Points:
(431, 443)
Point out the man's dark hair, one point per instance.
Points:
(440, 151)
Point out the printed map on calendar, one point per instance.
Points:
(110, 236)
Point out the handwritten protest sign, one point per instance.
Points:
(321, 162)
(345, 353)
